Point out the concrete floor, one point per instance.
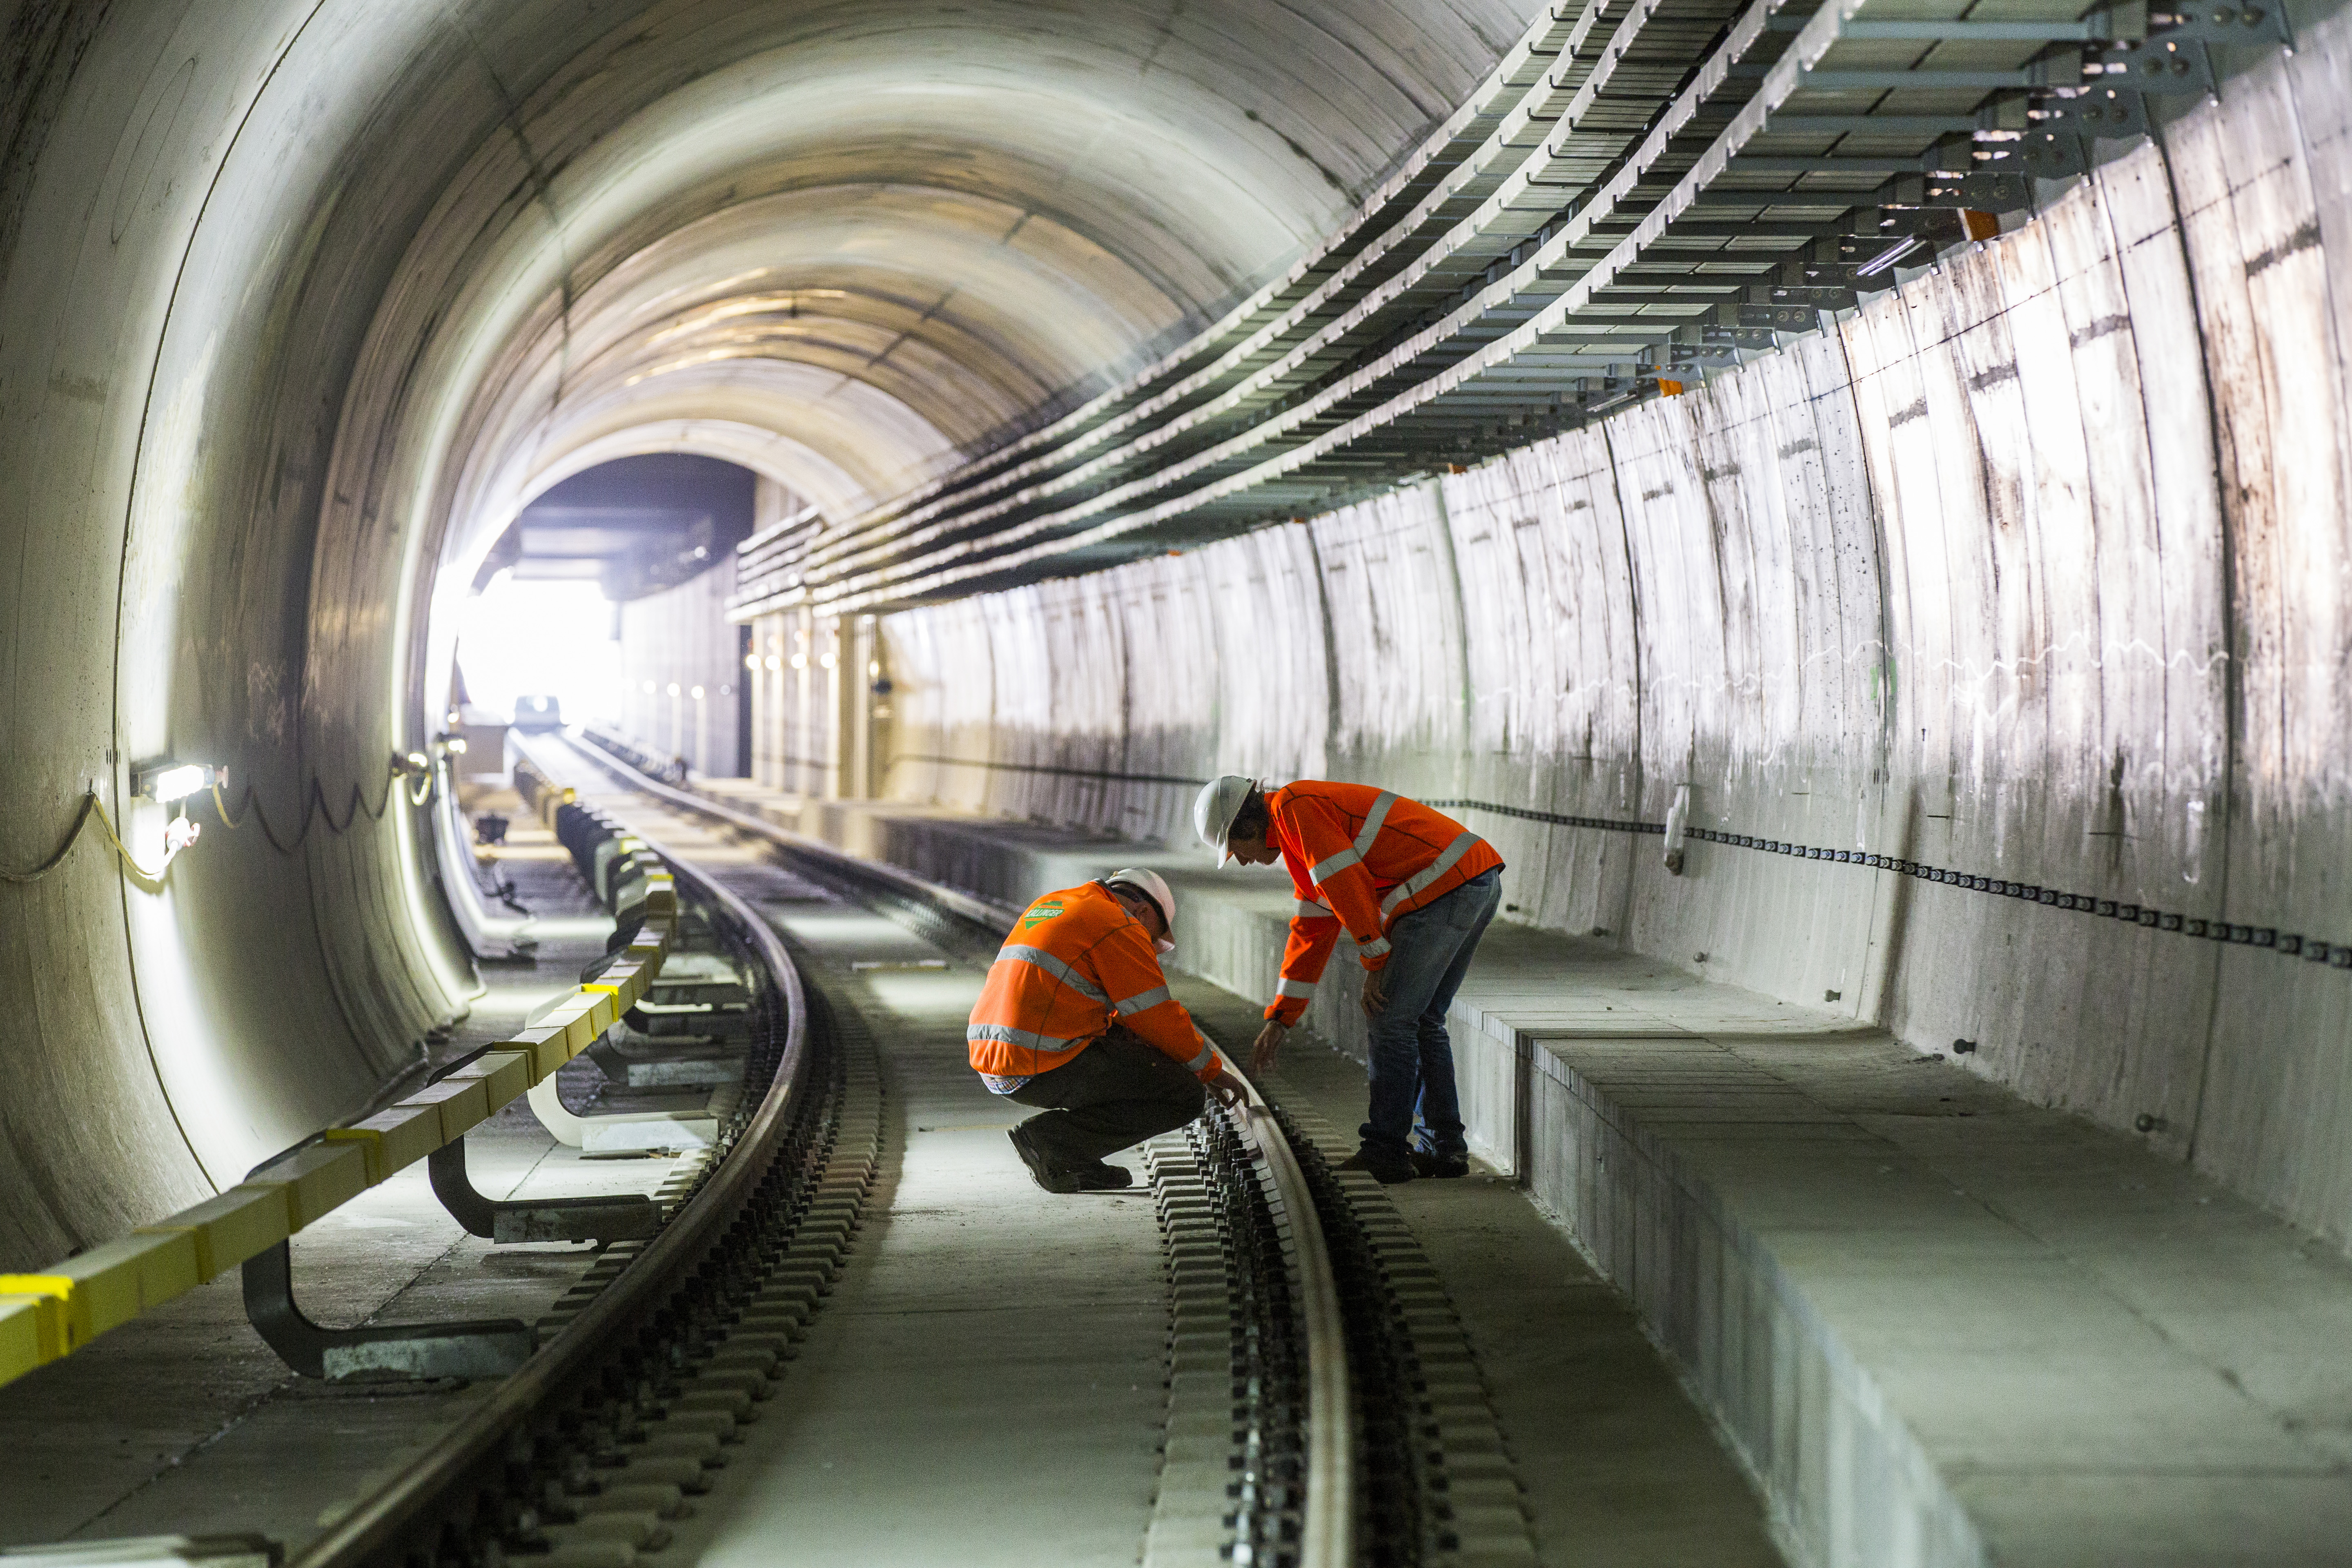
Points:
(1940, 1314)
(184, 1420)
(990, 1359)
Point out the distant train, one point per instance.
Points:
(538, 713)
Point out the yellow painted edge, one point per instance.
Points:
(371, 1143)
(21, 1337)
(405, 1134)
(504, 1074)
(65, 1321)
(322, 1178)
(458, 1102)
(239, 1224)
(508, 1079)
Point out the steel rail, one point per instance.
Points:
(384, 1519)
(1328, 1525)
(1328, 1528)
(906, 884)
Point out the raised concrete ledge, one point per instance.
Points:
(1942, 1326)
(1945, 1327)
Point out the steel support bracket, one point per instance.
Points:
(490, 1347)
(623, 1216)
(1964, 193)
(2176, 61)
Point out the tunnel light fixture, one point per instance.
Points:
(672, 688)
(168, 781)
(695, 693)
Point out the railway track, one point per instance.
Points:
(1322, 1408)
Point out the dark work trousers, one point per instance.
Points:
(1412, 1058)
(1119, 1091)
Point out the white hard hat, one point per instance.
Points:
(1214, 808)
(1151, 886)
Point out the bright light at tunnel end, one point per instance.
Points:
(518, 640)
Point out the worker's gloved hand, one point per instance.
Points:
(1268, 1046)
(1376, 992)
(1226, 1087)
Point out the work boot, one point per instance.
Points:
(1445, 1167)
(1388, 1169)
(1099, 1177)
(1050, 1176)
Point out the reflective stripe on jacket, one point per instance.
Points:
(1075, 964)
(1358, 857)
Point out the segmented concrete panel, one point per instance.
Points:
(2038, 568)
(300, 301)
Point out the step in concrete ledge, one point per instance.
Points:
(1943, 1327)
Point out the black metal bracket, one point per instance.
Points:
(622, 1216)
(490, 1347)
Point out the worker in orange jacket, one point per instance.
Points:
(1075, 1018)
(1416, 889)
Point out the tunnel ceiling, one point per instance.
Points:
(848, 244)
(1634, 196)
(302, 303)
(635, 525)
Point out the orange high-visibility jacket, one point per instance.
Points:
(1075, 964)
(1359, 856)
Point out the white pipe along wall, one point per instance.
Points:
(2036, 571)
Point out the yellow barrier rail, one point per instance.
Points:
(51, 1314)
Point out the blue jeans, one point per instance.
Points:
(1411, 1058)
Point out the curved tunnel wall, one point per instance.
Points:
(301, 299)
(2039, 569)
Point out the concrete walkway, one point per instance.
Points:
(1948, 1327)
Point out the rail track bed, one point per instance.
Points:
(862, 1335)
(883, 1343)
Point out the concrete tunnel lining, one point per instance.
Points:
(267, 264)
(2038, 563)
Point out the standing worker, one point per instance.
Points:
(1075, 1018)
(1416, 890)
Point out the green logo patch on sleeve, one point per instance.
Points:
(1040, 913)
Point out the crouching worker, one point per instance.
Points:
(1416, 890)
(1075, 1019)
